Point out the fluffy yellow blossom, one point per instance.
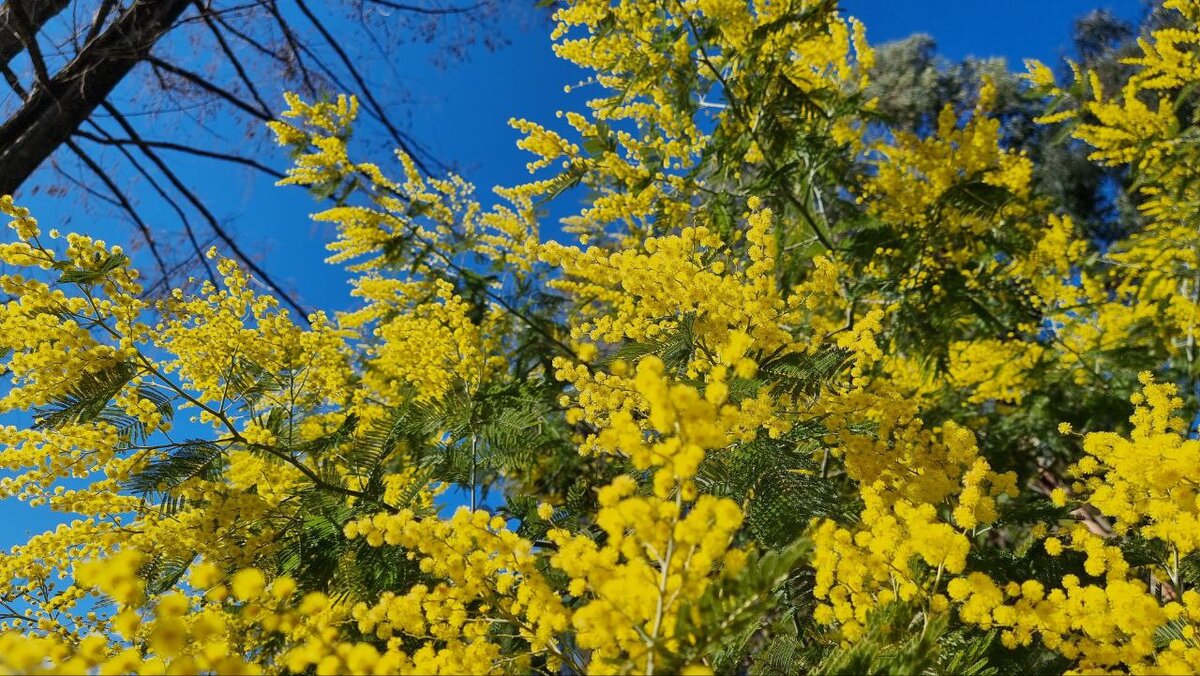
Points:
(791, 391)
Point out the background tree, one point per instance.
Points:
(912, 83)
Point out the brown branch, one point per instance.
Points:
(37, 12)
(198, 80)
(235, 9)
(293, 44)
(118, 199)
(169, 90)
(416, 9)
(402, 141)
(51, 113)
(249, 40)
(231, 55)
(101, 14)
(296, 60)
(122, 200)
(21, 21)
(79, 183)
(182, 148)
(13, 81)
(191, 197)
(340, 86)
(162, 193)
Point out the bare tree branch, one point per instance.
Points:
(293, 44)
(213, 223)
(51, 113)
(118, 198)
(199, 80)
(417, 9)
(291, 61)
(82, 185)
(79, 51)
(329, 73)
(197, 250)
(99, 172)
(102, 13)
(179, 147)
(22, 23)
(38, 12)
(402, 140)
(229, 54)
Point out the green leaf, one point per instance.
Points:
(322, 445)
(170, 470)
(91, 276)
(799, 373)
(976, 197)
(87, 399)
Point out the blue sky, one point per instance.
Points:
(1014, 29)
(461, 114)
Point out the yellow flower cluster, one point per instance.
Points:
(669, 277)
(422, 223)
(428, 350)
(693, 327)
(994, 370)
(484, 569)
(1144, 482)
(179, 636)
(220, 330)
(1098, 627)
(1151, 298)
(1139, 483)
(642, 54)
(655, 559)
(933, 191)
(901, 534)
(860, 571)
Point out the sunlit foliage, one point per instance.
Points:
(798, 391)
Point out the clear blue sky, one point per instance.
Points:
(1014, 29)
(461, 113)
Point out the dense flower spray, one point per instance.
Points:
(799, 392)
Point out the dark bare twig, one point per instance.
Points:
(122, 200)
(433, 11)
(183, 148)
(293, 44)
(22, 23)
(79, 183)
(118, 198)
(213, 223)
(197, 250)
(402, 140)
(164, 282)
(220, 92)
(101, 15)
(54, 110)
(297, 61)
(229, 54)
(38, 12)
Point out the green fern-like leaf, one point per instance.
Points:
(170, 469)
(87, 399)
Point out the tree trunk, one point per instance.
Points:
(35, 13)
(52, 113)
